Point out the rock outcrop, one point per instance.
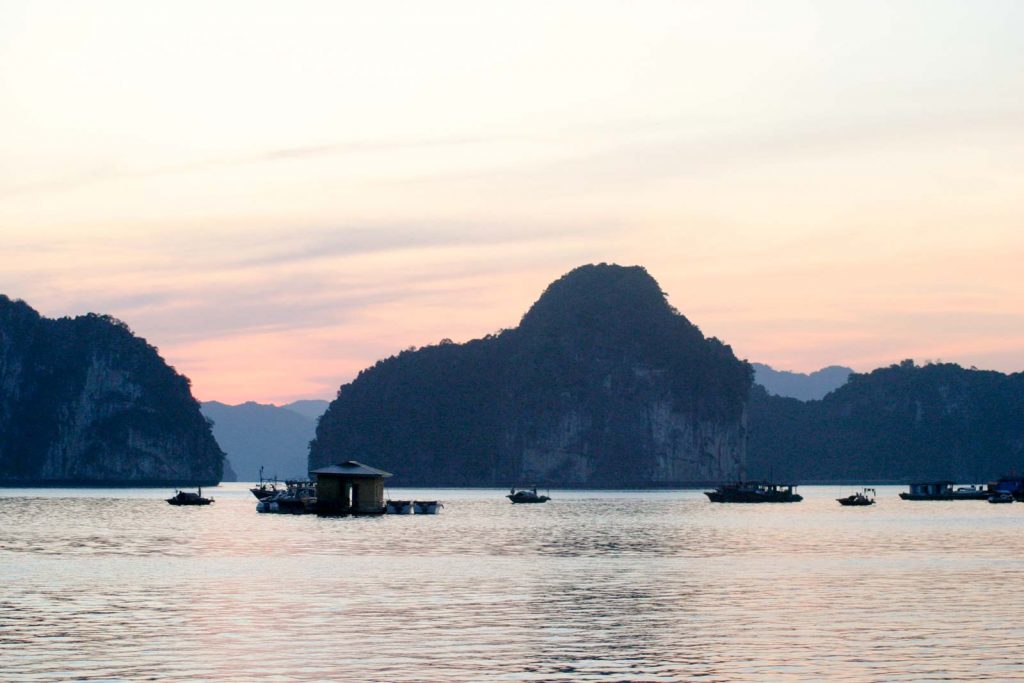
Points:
(83, 401)
(602, 384)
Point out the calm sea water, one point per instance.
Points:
(593, 586)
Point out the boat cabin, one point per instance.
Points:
(932, 489)
(349, 488)
(1012, 485)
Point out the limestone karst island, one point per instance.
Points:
(601, 384)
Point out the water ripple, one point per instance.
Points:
(609, 586)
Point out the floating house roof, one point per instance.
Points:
(351, 468)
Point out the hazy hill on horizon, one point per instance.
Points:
(256, 434)
(798, 385)
(312, 408)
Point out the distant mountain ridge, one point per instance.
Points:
(85, 401)
(805, 387)
(312, 408)
(274, 437)
(603, 383)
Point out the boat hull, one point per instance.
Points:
(752, 497)
(980, 495)
(262, 494)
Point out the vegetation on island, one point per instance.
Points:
(579, 375)
(84, 399)
(901, 423)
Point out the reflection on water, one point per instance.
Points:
(604, 586)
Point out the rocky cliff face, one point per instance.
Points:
(84, 401)
(602, 384)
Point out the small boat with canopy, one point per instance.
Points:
(858, 499)
(526, 496)
(189, 498)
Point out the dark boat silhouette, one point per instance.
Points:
(526, 496)
(859, 499)
(189, 498)
(266, 489)
(754, 492)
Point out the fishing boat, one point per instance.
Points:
(526, 496)
(297, 498)
(861, 498)
(189, 498)
(426, 507)
(266, 489)
(1001, 498)
(754, 492)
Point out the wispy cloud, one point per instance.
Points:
(283, 154)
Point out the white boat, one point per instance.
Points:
(426, 507)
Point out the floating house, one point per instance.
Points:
(929, 490)
(349, 488)
(943, 490)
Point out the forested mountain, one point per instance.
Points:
(83, 400)
(803, 386)
(602, 384)
(274, 437)
(900, 423)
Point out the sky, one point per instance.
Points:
(277, 195)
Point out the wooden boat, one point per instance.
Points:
(426, 507)
(526, 496)
(266, 489)
(189, 498)
(866, 497)
(754, 492)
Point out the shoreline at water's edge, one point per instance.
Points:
(674, 486)
(105, 484)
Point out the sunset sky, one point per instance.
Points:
(278, 194)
